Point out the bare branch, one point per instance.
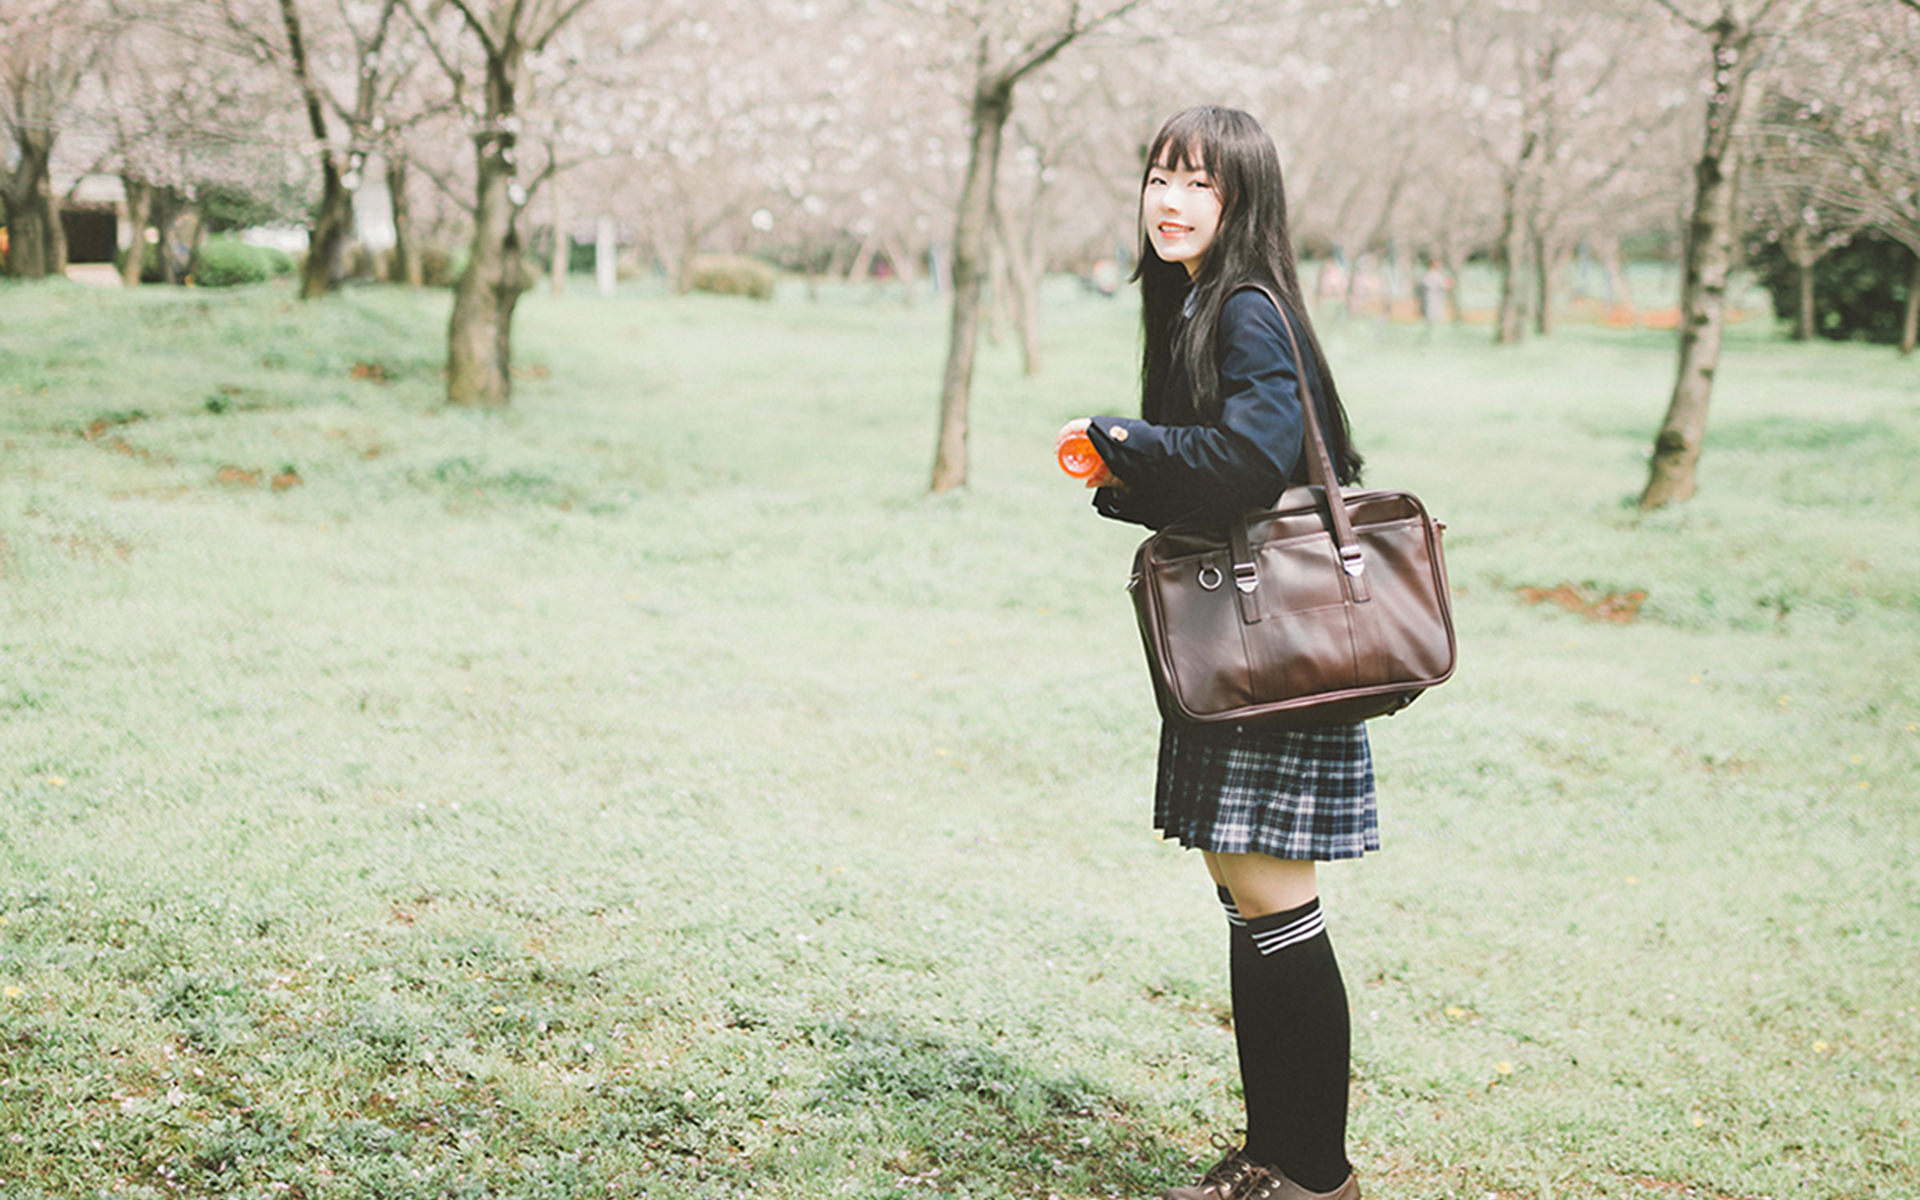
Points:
(1683, 17)
(262, 48)
(452, 187)
(538, 38)
(450, 68)
(302, 75)
(479, 27)
(1040, 56)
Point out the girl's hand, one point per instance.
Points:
(1077, 428)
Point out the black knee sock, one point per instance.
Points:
(1292, 1028)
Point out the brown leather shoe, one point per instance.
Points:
(1264, 1183)
(1222, 1181)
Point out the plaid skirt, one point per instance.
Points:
(1290, 793)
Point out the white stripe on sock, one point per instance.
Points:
(1272, 941)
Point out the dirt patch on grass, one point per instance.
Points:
(101, 425)
(244, 477)
(1616, 607)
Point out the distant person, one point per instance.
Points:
(1368, 289)
(1435, 287)
(1329, 283)
(1220, 433)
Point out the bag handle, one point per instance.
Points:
(1314, 442)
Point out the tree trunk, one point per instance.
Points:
(860, 270)
(810, 265)
(1620, 305)
(1910, 325)
(186, 234)
(166, 211)
(562, 244)
(408, 267)
(332, 228)
(139, 214)
(1025, 270)
(996, 287)
(1800, 250)
(689, 246)
(906, 269)
(1520, 218)
(333, 224)
(1454, 255)
(1515, 253)
(56, 234)
(1511, 327)
(479, 350)
(606, 257)
(29, 213)
(1545, 266)
(26, 239)
(992, 105)
(1709, 263)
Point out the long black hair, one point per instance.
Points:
(1251, 246)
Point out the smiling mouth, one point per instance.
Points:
(1167, 230)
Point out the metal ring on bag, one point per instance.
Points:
(1211, 576)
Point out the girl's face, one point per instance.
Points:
(1182, 212)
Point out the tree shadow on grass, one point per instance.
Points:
(973, 1118)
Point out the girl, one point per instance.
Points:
(1221, 433)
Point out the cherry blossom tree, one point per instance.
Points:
(1564, 100)
(487, 49)
(186, 111)
(1869, 128)
(48, 50)
(724, 145)
(1007, 44)
(1796, 175)
(348, 66)
(1736, 32)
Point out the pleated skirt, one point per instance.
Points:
(1289, 793)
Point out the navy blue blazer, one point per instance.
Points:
(1211, 473)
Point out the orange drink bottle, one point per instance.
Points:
(1077, 456)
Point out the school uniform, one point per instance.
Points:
(1306, 793)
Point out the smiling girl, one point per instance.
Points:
(1220, 433)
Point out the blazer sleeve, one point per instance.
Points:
(1212, 472)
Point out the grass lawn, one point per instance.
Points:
(651, 791)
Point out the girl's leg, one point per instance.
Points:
(1263, 884)
(1290, 1019)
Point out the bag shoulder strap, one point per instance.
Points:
(1320, 469)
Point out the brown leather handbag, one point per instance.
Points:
(1330, 608)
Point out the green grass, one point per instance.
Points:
(650, 791)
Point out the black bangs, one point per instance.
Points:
(1184, 142)
(1181, 154)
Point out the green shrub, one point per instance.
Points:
(730, 275)
(225, 262)
(1859, 290)
(440, 267)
